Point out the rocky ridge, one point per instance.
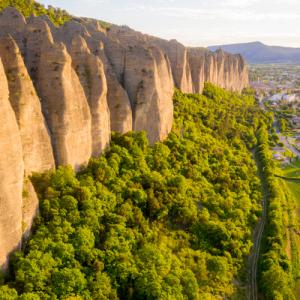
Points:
(65, 89)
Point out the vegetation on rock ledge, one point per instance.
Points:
(30, 7)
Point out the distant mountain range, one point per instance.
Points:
(259, 53)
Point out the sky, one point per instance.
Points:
(199, 22)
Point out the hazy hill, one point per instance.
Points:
(259, 53)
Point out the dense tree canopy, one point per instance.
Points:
(168, 221)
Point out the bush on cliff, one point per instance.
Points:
(31, 7)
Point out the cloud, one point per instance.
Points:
(224, 12)
(238, 3)
(199, 21)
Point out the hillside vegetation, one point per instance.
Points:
(171, 221)
(277, 275)
(30, 7)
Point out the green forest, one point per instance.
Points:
(170, 221)
(173, 220)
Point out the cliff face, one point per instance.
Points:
(90, 71)
(11, 174)
(36, 144)
(65, 106)
(191, 67)
(65, 89)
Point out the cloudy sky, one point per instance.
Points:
(199, 22)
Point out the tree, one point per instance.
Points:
(7, 293)
(68, 282)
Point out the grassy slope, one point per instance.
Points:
(293, 192)
(293, 171)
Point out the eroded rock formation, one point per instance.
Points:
(65, 106)
(90, 71)
(191, 67)
(11, 175)
(36, 144)
(63, 90)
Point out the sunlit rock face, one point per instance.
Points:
(11, 175)
(65, 106)
(191, 67)
(35, 138)
(64, 90)
(90, 71)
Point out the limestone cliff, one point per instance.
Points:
(152, 88)
(90, 71)
(35, 138)
(146, 76)
(36, 144)
(11, 175)
(178, 56)
(65, 106)
(64, 89)
(191, 67)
